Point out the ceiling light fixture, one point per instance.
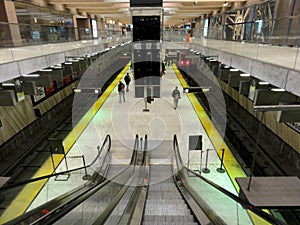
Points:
(278, 89)
(263, 83)
(225, 4)
(30, 75)
(8, 85)
(245, 75)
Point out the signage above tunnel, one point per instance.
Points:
(143, 3)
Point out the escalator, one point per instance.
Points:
(164, 203)
(167, 195)
(145, 193)
(82, 204)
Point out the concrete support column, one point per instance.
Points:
(9, 28)
(59, 7)
(42, 3)
(100, 24)
(75, 28)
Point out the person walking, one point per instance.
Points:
(127, 80)
(121, 90)
(176, 96)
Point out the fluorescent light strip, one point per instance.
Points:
(46, 70)
(234, 70)
(278, 89)
(8, 84)
(30, 75)
(245, 75)
(263, 83)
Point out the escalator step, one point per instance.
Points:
(177, 218)
(169, 223)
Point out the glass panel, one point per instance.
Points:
(89, 210)
(21, 197)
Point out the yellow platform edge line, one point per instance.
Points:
(231, 165)
(30, 191)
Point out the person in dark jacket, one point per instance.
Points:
(121, 90)
(176, 96)
(127, 80)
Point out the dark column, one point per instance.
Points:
(9, 28)
(286, 27)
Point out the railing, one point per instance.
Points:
(136, 181)
(250, 39)
(37, 35)
(20, 49)
(106, 142)
(62, 205)
(211, 191)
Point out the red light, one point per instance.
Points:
(45, 211)
(181, 62)
(187, 62)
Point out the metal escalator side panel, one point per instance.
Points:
(211, 189)
(204, 214)
(58, 213)
(136, 205)
(201, 210)
(115, 201)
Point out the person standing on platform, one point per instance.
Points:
(121, 90)
(127, 80)
(163, 68)
(176, 96)
(188, 36)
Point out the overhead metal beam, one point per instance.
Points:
(265, 108)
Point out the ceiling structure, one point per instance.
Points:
(175, 11)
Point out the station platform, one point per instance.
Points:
(126, 119)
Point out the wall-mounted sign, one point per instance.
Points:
(20, 96)
(40, 94)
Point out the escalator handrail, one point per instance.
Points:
(135, 147)
(132, 213)
(108, 138)
(102, 218)
(237, 199)
(56, 214)
(66, 195)
(83, 195)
